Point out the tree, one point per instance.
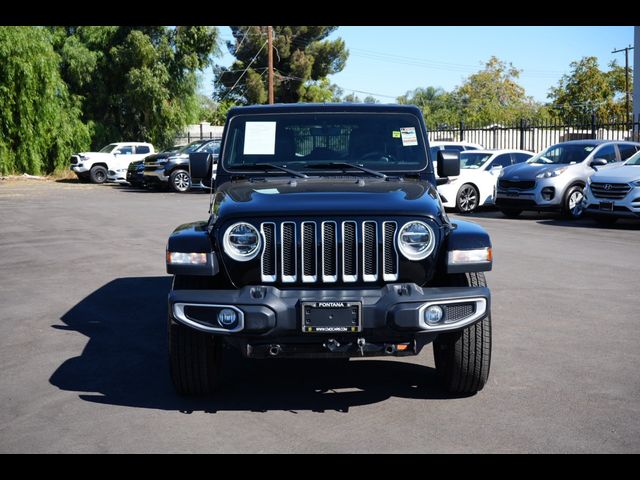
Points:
(135, 83)
(40, 124)
(493, 95)
(588, 90)
(303, 59)
(437, 105)
(212, 111)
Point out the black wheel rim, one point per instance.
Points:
(468, 199)
(100, 176)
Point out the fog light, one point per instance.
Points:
(227, 317)
(548, 193)
(433, 314)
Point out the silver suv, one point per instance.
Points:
(555, 178)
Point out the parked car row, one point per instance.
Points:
(598, 177)
(138, 165)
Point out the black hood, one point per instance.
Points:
(349, 196)
(159, 156)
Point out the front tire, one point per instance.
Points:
(180, 181)
(98, 174)
(572, 203)
(468, 199)
(195, 358)
(463, 358)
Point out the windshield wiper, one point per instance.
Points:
(350, 165)
(268, 166)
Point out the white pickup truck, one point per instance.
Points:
(115, 157)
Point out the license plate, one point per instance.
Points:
(512, 193)
(331, 317)
(606, 206)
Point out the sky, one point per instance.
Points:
(387, 61)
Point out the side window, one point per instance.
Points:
(626, 151)
(520, 157)
(607, 152)
(503, 160)
(142, 149)
(470, 147)
(126, 150)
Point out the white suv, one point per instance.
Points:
(114, 158)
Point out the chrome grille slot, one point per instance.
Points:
(329, 252)
(309, 252)
(389, 252)
(614, 191)
(349, 252)
(289, 252)
(269, 253)
(370, 251)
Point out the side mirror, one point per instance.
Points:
(448, 163)
(597, 162)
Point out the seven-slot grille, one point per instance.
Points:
(615, 191)
(329, 251)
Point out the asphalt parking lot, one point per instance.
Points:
(83, 345)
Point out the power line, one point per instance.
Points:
(244, 73)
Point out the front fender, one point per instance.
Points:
(468, 236)
(192, 238)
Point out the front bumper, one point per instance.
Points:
(155, 176)
(532, 199)
(117, 176)
(267, 314)
(629, 206)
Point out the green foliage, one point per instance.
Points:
(135, 83)
(302, 59)
(212, 111)
(491, 95)
(40, 123)
(588, 90)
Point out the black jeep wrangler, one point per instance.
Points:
(327, 239)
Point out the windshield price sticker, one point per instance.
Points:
(260, 138)
(409, 137)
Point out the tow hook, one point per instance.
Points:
(361, 343)
(332, 344)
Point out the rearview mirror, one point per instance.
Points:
(448, 163)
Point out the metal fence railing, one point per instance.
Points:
(537, 136)
(188, 138)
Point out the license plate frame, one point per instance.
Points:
(331, 317)
(606, 206)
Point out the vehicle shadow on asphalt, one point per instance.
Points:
(125, 363)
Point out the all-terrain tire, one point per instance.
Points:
(463, 358)
(98, 174)
(195, 359)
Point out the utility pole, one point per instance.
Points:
(270, 68)
(626, 75)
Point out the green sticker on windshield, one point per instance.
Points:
(396, 134)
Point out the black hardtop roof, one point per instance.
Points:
(325, 107)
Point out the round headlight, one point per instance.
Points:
(416, 240)
(242, 242)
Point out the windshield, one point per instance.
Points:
(473, 160)
(109, 148)
(633, 160)
(563, 154)
(379, 141)
(193, 146)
